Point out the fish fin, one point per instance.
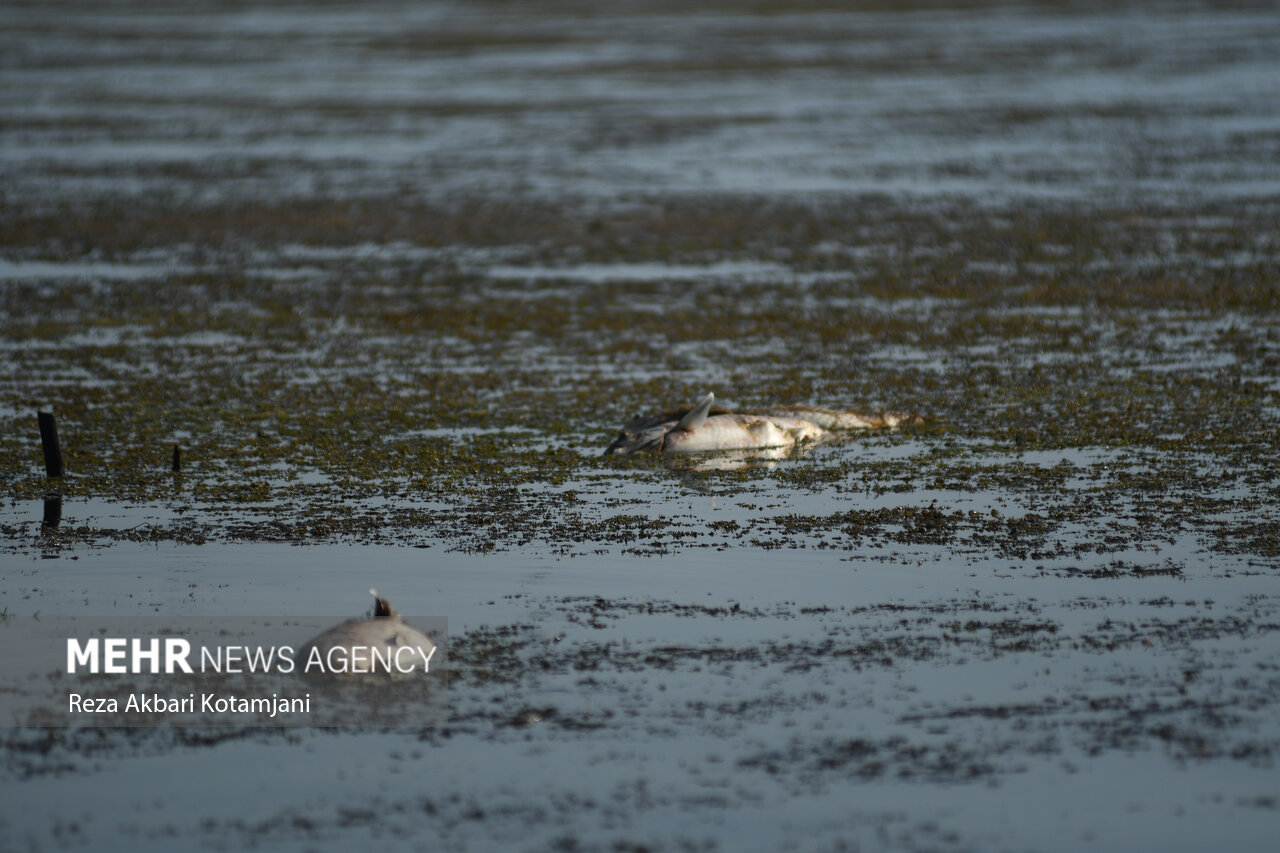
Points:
(696, 416)
(382, 608)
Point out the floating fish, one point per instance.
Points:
(705, 428)
(383, 644)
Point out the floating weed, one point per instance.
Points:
(415, 399)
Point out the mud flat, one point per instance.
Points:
(392, 276)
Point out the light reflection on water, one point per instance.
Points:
(605, 273)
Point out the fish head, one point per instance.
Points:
(652, 433)
(644, 439)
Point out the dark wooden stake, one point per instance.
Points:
(52, 511)
(177, 459)
(49, 440)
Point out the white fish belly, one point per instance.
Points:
(741, 432)
(800, 429)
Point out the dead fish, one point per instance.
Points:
(382, 644)
(706, 428)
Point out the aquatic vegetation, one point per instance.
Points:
(402, 394)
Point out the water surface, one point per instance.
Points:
(392, 275)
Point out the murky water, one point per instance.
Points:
(448, 98)
(391, 275)
(735, 699)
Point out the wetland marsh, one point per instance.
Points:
(393, 275)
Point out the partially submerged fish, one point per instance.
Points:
(706, 428)
(383, 644)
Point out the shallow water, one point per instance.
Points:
(994, 102)
(392, 275)
(935, 696)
